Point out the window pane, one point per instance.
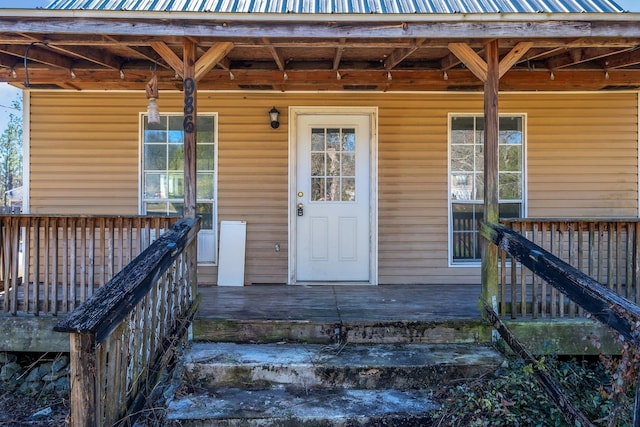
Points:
(317, 164)
(333, 139)
(348, 164)
(479, 155)
(206, 157)
(204, 188)
(176, 157)
(153, 185)
(175, 133)
(155, 157)
(510, 158)
(348, 190)
(317, 189)
(205, 211)
(176, 208)
(461, 186)
(478, 188)
(175, 186)
(510, 210)
(333, 189)
(462, 158)
(462, 130)
(156, 208)
(510, 187)
(317, 139)
(348, 139)
(466, 238)
(333, 164)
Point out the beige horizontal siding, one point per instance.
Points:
(582, 161)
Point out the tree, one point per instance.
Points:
(11, 152)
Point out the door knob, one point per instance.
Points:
(300, 209)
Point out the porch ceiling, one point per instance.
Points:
(87, 50)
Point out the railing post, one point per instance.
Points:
(84, 391)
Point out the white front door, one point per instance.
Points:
(332, 198)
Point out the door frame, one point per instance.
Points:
(372, 113)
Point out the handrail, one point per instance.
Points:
(606, 306)
(121, 336)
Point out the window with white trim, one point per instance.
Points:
(466, 179)
(162, 183)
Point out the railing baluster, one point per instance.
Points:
(64, 280)
(572, 260)
(25, 228)
(636, 262)
(73, 229)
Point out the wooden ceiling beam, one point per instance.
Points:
(337, 57)
(471, 59)
(211, 57)
(631, 57)
(97, 56)
(274, 53)
(512, 58)
(413, 80)
(399, 55)
(579, 56)
(169, 56)
(83, 23)
(38, 54)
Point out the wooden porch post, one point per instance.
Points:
(190, 128)
(491, 126)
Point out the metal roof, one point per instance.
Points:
(345, 6)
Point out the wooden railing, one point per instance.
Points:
(123, 336)
(51, 264)
(602, 303)
(605, 250)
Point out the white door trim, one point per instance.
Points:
(372, 113)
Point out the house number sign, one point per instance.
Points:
(189, 88)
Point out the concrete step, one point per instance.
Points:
(404, 367)
(228, 384)
(280, 407)
(353, 331)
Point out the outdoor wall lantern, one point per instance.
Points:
(273, 116)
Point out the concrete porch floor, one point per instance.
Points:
(340, 303)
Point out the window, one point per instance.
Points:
(163, 173)
(466, 180)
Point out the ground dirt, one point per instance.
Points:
(22, 410)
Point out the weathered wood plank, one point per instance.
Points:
(82, 358)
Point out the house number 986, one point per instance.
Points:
(189, 88)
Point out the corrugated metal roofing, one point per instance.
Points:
(344, 6)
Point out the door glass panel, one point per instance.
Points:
(317, 189)
(333, 166)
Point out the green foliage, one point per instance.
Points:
(11, 153)
(513, 396)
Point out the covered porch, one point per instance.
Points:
(190, 55)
